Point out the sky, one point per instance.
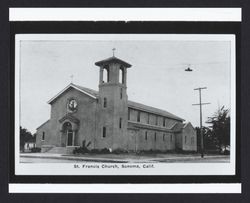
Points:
(157, 77)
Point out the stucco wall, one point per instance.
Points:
(190, 133)
(133, 114)
(131, 141)
(144, 139)
(155, 141)
(109, 117)
(178, 141)
(48, 131)
(86, 112)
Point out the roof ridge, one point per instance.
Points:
(156, 109)
(85, 88)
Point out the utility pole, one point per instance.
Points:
(201, 132)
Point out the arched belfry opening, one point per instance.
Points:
(105, 77)
(121, 75)
(113, 70)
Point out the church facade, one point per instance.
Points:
(107, 119)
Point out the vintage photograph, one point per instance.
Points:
(161, 103)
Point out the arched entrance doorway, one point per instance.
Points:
(69, 134)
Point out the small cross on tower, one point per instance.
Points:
(113, 51)
(72, 77)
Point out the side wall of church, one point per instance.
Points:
(155, 140)
(142, 139)
(151, 138)
(132, 138)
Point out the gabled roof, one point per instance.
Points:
(42, 124)
(94, 94)
(180, 126)
(112, 59)
(87, 91)
(90, 91)
(153, 110)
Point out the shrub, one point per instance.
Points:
(226, 152)
(35, 149)
(105, 151)
(95, 151)
(83, 149)
(80, 150)
(119, 151)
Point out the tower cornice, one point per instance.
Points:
(112, 59)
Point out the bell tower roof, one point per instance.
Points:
(112, 59)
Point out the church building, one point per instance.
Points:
(107, 119)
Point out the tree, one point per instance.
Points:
(208, 139)
(25, 135)
(220, 127)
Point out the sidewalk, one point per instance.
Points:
(123, 158)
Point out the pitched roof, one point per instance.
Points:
(43, 124)
(90, 91)
(131, 104)
(178, 126)
(87, 91)
(153, 110)
(114, 60)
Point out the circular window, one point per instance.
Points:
(72, 105)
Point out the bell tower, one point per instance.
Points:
(113, 102)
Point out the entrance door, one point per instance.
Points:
(70, 138)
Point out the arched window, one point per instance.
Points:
(106, 74)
